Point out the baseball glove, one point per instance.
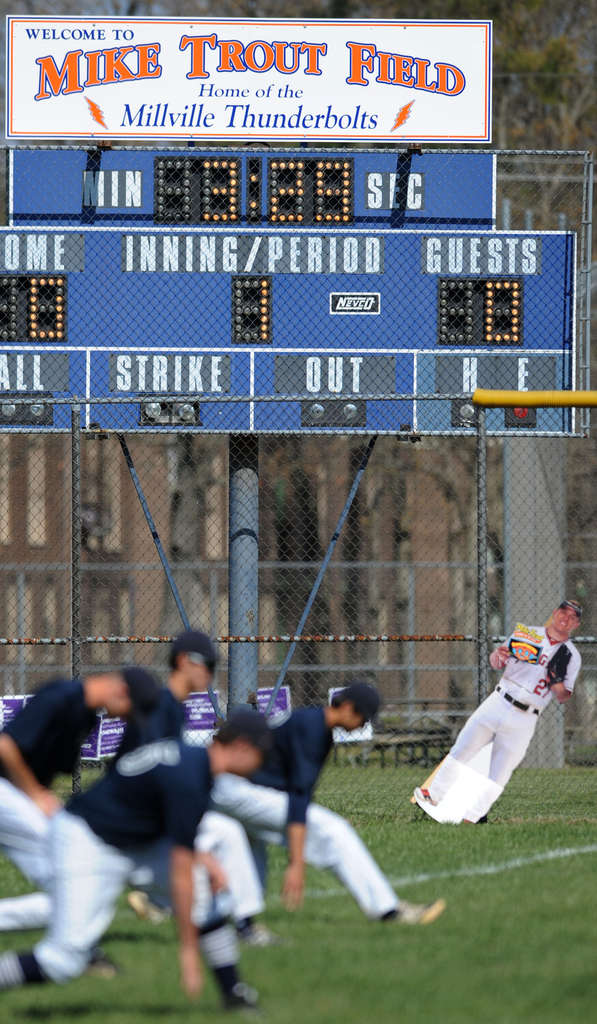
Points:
(558, 665)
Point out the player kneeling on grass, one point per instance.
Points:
(154, 796)
(537, 664)
(275, 807)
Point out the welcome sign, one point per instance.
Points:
(254, 80)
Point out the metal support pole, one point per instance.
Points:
(482, 598)
(161, 553)
(322, 570)
(243, 553)
(585, 286)
(75, 587)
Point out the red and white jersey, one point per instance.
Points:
(525, 673)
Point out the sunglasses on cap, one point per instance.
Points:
(573, 606)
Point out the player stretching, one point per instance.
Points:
(41, 742)
(192, 664)
(538, 663)
(275, 806)
(154, 795)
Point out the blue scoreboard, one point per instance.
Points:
(186, 280)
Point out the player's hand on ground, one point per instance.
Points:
(47, 802)
(293, 887)
(191, 974)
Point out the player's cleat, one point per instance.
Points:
(419, 913)
(140, 902)
(423, 796)
(102, 966)
(259, 935)
(242, 997)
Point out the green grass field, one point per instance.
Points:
(516, 943)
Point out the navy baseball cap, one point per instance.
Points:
(143, 687)
(363, 696)
(576, 607)
(246, 724)
(195, 643)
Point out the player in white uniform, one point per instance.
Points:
(538, 663)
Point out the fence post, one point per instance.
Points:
(482, 599)
(75, 588)
(243, 551)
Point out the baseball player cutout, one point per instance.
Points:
(192, 661)
(275, 807)
(154, 794)
(42, 741)
(538, 663)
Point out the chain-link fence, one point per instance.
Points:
(348, 494)
(407, 563)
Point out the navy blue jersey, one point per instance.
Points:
(50, 729)
(158, 790)
(165, 721)
(300, 747)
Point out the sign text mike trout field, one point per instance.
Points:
(228, 78)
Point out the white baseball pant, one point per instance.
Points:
(87, 878)
(330, 841)
(23, 833)
(227, 840)
(217, 834)
(495, 721)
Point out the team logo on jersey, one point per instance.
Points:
(143, 759)
(522, 632)
(522, 650)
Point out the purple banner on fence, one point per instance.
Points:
(199, 712)
(90, 747)
(111, 732)
(11, 707)
(104, 739)
(281, 704)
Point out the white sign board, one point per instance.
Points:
(175, 78)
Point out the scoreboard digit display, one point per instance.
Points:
(33, 308)
(298, 190)
(480, 312)
(334, 281)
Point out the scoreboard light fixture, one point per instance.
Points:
(520, 417)
(160, 412)
(480, 311)
(463, 413)
(22, 414)
(352, 413)
(184, 412)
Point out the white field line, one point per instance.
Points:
(472, 870)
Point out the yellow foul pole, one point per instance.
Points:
(535, 399)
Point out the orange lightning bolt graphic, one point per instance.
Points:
(402, 116)
(96, 112)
